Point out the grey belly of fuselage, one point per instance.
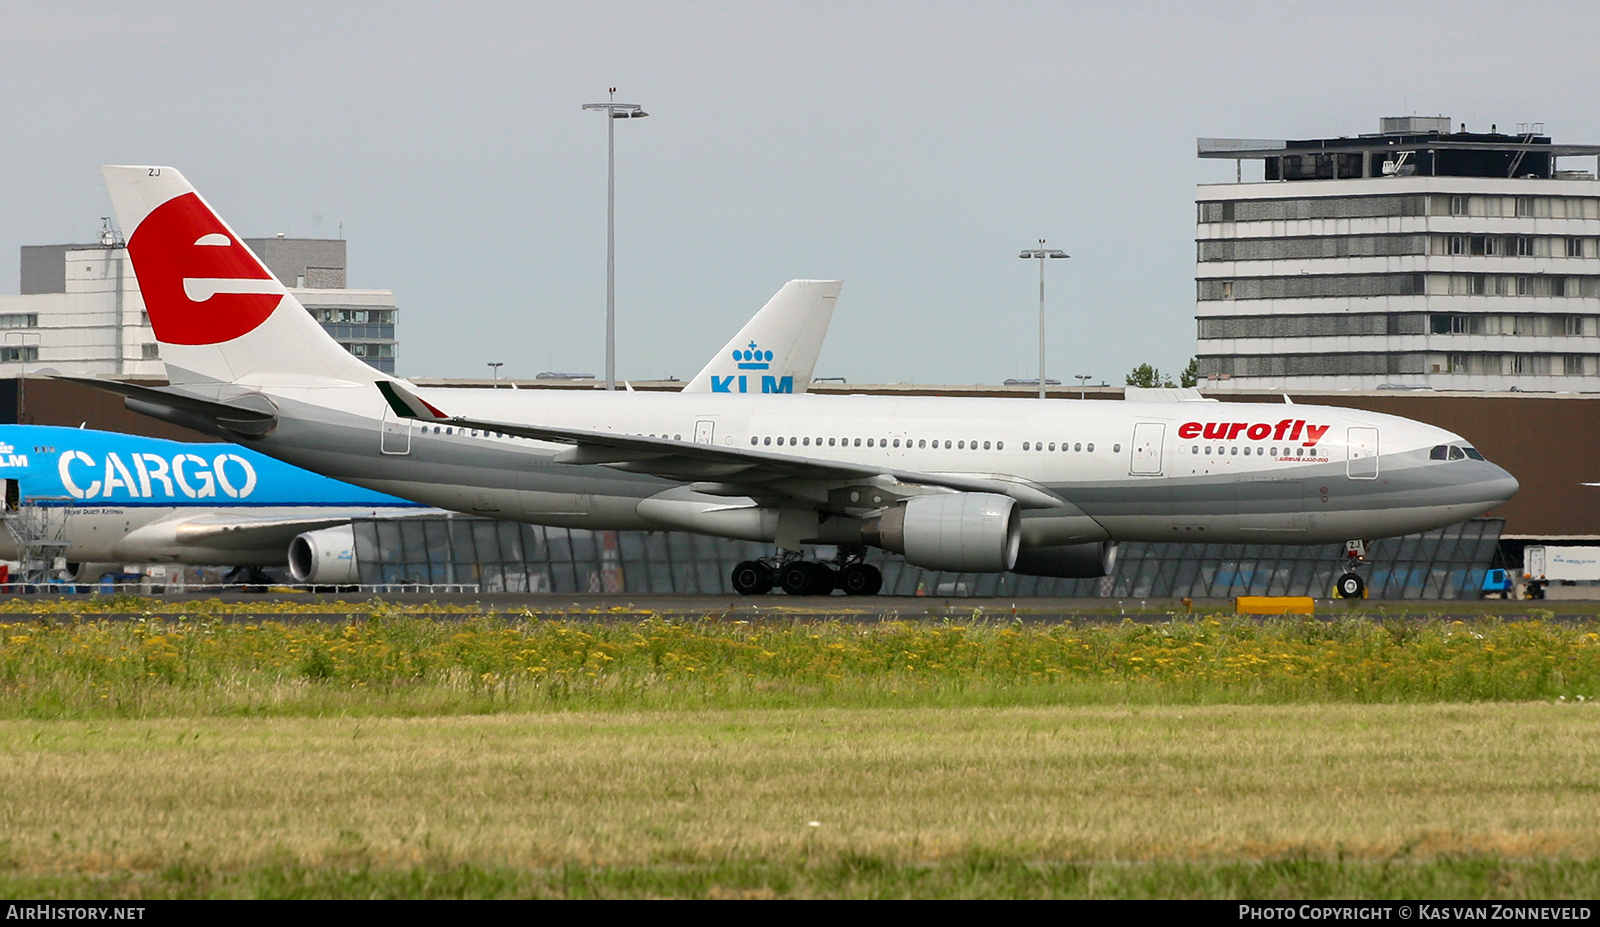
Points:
(1309, 503)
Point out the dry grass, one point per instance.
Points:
(1048, 785)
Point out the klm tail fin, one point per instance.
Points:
(778, 347)
(217, 311)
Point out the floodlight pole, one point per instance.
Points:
(613, 111)
(1040, 253)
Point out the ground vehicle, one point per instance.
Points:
(1567, 566)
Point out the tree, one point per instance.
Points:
(1148, 376)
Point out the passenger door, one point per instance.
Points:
(396, 436)
(1147, 440)
(1362, 448)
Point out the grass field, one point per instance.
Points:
(394, 757)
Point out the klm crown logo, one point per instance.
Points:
(752, 358)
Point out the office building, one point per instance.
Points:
(1422, 256)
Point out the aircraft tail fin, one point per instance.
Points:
(778, 347)
(217, 311)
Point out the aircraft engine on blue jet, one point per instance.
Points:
(325, 557)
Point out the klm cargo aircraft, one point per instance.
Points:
(114, 499)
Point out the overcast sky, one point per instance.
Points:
(909, 149)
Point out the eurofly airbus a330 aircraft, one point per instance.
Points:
(964, 485)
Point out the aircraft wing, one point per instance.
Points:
(225, 531)
(731, 471)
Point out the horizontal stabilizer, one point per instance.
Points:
(248, 413)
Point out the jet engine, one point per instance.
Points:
(325, 557)
(964, 532)
(1068, 561)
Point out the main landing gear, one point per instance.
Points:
(848, 573)
(1351, 585)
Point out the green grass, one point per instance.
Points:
(389, 664)
(384, 755)
(981, 875)
(1432, 801)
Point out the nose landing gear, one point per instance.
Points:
(1351, 585)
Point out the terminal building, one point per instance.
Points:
(79, 309)
(1421, 256)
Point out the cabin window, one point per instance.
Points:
(1091, 448)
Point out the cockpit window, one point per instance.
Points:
(1473, 453)
(1442, 452)
(1457, 453)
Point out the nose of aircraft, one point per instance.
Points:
(1499, 485)
(1489, 487)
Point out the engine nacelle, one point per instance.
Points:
(964, 532)
(1068, 561)
(325, 557)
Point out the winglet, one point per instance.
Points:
(407, 404)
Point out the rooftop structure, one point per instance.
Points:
(1415, 256)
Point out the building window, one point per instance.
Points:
(150, 351)
(1524, 246)
(24, 353)
(1524, 206)
(1458, 205)
(1575, 247)
(19, 320)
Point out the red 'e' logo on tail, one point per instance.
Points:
(200, 286)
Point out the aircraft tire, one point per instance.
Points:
(1350, 586)
(860, 579)
(800, 578)
(751, 578)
